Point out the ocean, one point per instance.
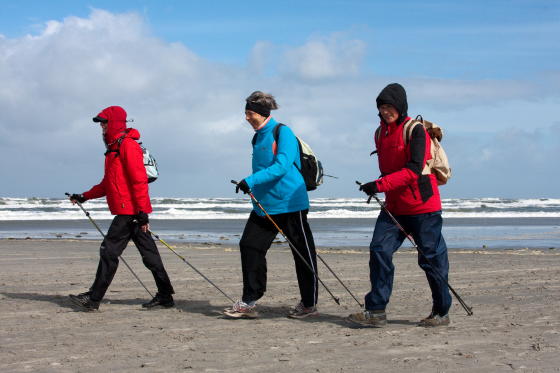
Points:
(476, 223)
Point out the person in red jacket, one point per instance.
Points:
(413, 199)
(125, 186)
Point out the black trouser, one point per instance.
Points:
(122, 230)
(256, 240)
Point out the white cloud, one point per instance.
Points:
(190, 111)
(321, 58)
(261, 57)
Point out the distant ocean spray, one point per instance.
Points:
(237, 208)
(336, 222)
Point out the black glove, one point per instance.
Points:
(243, 186)
(78, 197)
(369, 188)
(142, 218)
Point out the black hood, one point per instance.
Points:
(394, 94)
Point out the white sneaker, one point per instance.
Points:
(241, 310)
(301, 312)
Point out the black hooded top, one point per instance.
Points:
(394, 94)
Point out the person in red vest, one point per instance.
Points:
(125, 186)
(414, 200)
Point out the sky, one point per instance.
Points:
(487, 72)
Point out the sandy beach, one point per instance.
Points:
(515, 295)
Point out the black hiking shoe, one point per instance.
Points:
(84, 302)
(368, 319)
(159, 301)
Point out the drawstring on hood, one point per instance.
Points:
(116, 123)
(395, 95)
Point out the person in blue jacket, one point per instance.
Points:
(278, 185)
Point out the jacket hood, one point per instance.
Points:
(132, 133)
(116, 122)
(115, 144)
(394, 94)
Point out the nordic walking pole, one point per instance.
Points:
(120, 257)
(190, 265)
(339, 280)
(457, 296)
(337, 300)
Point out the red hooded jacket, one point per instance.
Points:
(125, 183)
(407, 191)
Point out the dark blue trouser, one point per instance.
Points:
(425, 229)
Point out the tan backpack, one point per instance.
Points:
(439, 164)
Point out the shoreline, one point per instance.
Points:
(276, 245)
(459, 234)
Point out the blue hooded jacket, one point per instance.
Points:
(276, 182)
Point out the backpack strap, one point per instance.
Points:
(276, 135)
(376, 137)
(407, 134)
(276, 132)
(119, 141)
(377, 133)
(409, 127)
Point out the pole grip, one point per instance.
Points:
(370, 197)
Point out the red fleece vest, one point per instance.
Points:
(400, 184)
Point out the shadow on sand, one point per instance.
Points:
(202, 307)
(60, 300)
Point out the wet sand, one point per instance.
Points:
(515, 295)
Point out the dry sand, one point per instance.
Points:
(515, 296)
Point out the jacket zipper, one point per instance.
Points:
(412, 191)
(115, 182)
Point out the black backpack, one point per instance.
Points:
(311, 167)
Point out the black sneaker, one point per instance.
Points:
(160, 301)
(88, 293)
(84, 302)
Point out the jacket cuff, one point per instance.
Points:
(379, 185)
(249, 181)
